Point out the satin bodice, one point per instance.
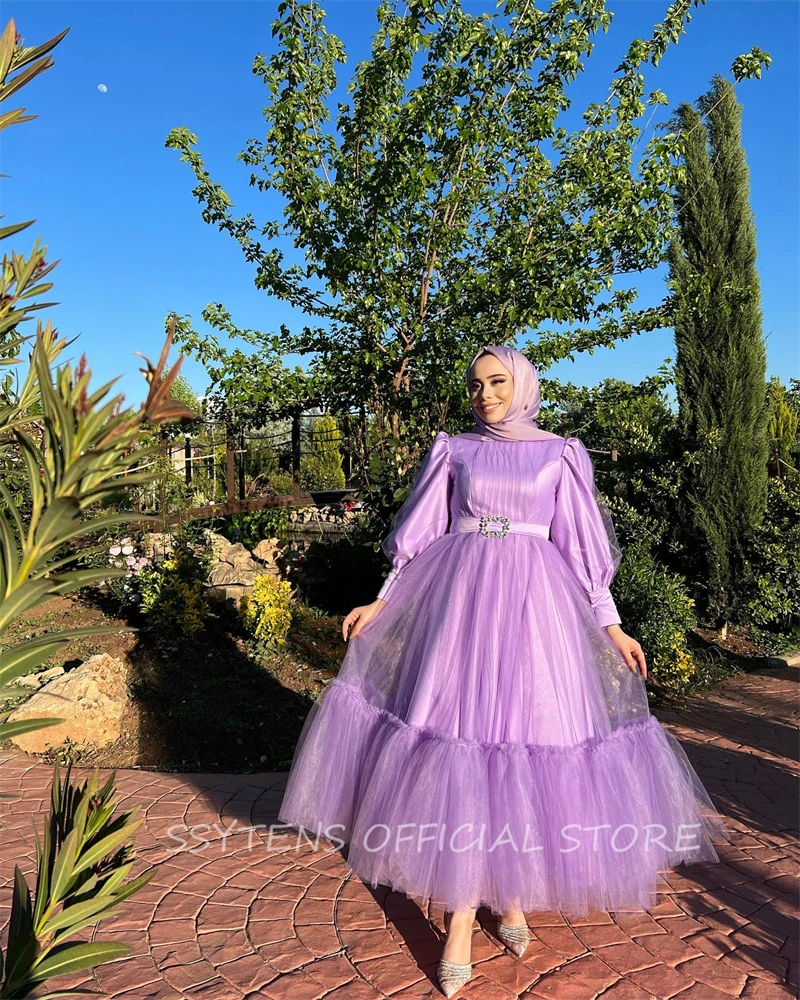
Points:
(516, 479)
(549, 482)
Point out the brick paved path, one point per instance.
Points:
(240, 920)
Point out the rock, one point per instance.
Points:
(157, 545)
(38, 680)
(91, 699)
(216, 542)
(267, 550)
(225, 575)
(235, 554)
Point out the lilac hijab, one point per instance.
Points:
(519, 423)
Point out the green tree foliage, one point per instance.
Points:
(770, 597)
(784, 421)
(183, 392)
(322, 467)
(634, 417)
(433, 220)
(721, 354)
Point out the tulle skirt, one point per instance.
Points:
(485, 744)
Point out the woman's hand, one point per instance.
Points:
(359, 617)
(631, 650)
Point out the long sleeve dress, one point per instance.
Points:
(484, 742)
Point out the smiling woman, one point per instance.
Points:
(491, 391)
(488, 739)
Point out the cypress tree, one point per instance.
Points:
(784, 422)
(721, 354)
(323, 466)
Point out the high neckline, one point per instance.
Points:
(471, 436)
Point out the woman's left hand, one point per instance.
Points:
(631, 650)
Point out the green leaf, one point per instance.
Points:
(99, 524)
(22, 941)
(65, 864)
(43, 49)
(115, 879)
(21, 907)
(75, 957)
(23, 657)
(43, 869)
(60, 994)
(17, 227)
(29, 595)
(73, 918)
(106, 846)
(62, 514)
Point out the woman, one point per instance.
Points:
(488, 739)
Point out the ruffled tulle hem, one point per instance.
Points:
(462, 823)
(592, 745)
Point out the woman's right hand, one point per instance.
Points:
(359, 617)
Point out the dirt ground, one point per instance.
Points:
(209, 703)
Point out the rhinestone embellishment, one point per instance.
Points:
(485, 530)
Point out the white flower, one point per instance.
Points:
(115, 550)
(127, 549)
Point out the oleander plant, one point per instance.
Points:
(63, 449)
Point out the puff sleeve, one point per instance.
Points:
(425, 513)
(583, 532)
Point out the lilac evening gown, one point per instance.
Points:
(484, 742)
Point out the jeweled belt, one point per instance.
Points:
(505, 525)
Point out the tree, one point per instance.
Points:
(721, 355)
(784, 422)
(634, 417)
(434, 221)
(322, 467)
(182, 391)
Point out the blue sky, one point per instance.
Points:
(116, 206)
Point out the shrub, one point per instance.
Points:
(321, 469)
(252, 527)
(174, 595)
(280, 484)
(127, 590)
(656, 608)
(771, 597)
(267, 612)
(66, 448)
(120, 499)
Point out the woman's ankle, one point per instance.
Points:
(460, 920)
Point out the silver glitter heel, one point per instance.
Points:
(516, 938)
(452, 976)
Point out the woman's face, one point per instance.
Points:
(491, 389)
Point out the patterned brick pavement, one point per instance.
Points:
(238, 917)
